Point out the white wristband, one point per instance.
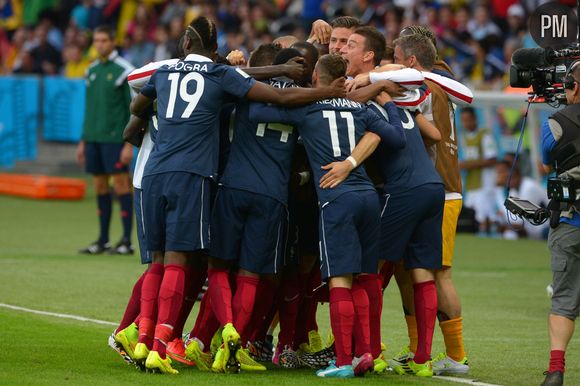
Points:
(352, 161)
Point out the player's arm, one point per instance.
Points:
(366, 93)
(293, 69)
(457, 92)
(144, 99)
(135, 130)
(295, 96)
(392, 133)
(339, 171)
(430, 133)
(264, 113)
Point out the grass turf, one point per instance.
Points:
(501, 283)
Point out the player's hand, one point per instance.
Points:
(359, 81)
(320, 33)
(337, 172)
(337, 88)
(126, 154)
(395, 90)
(80, 153)
(383, 98)
(236, 58)
(295, 69)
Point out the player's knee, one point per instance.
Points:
(101, 183)
(121, 183)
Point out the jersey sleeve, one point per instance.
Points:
(409, 78)
(457, 92)
(391, 132)
(548, 143)
(263, 113)
(236, 82)
(149, 88)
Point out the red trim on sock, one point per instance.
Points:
(557, 361)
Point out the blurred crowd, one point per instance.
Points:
(476, 38)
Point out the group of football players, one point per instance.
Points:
(269, 158)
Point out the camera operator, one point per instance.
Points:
(561, 152)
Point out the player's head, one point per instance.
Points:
(200, 37)
(285, 41)
(104, 40)
(419, 30)
(264, 55)
(572, 83)
(503, 169)
(310, 55)
(328, 68)
(364, 51)
(388, 57)
(286, 54)
(468, 119)
(342, 28)
(415, 51)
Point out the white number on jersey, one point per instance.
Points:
(285, 130)
(331, 117)
(191, 99)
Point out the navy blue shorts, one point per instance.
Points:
(104, 158)
(176, 211)
(249, 228)
(146, 256)
(349, 234)
(411, 226)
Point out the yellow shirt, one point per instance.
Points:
(76, 69)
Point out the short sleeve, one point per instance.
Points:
(149, 89)
(237, 82)
(548, 143)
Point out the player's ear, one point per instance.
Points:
(369, 56)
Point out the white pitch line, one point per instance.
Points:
(473, 382)
(57, 315)
(466, 381)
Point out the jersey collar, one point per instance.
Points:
(113, 55)
(197, 58)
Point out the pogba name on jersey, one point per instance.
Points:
(340, 102)
(188, 66)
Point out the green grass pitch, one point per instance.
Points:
(501, 283)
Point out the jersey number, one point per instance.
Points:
(285, 130)
(191, 99)
(331, 117)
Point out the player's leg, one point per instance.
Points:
(94, 165)
(123, 190)
(200, 337)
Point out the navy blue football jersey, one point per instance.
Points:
(190, 95)
(408, 167)
(330, 129)
(260, 155)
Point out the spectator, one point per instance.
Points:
(75, 64)
(140, 51)
(162, 50)
(80, 14)
(481, 26)
(480, 153)
(46, 59)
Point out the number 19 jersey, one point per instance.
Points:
(190, 94)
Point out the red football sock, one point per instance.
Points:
(425, 295)
(289, 304)
(194, 280)
(387, 272)
(220, 293)
(266, 291)
(342, 323)
(149, 295)
(243, 303)
(361, 331)
(206, 323)
(372, 286)
(557, 361)
(133, 306)
(170, 301)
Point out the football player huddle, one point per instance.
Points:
(314, 174)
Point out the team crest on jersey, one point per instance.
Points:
(109, 76)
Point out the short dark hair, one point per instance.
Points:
(374, 41)
(310, 48)
(202, 34)
(420, 46)
(105, 29)
(285, 55)
(264, 55)
(389, 54)
(468, 110)
(330, 67)
(345, 22)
